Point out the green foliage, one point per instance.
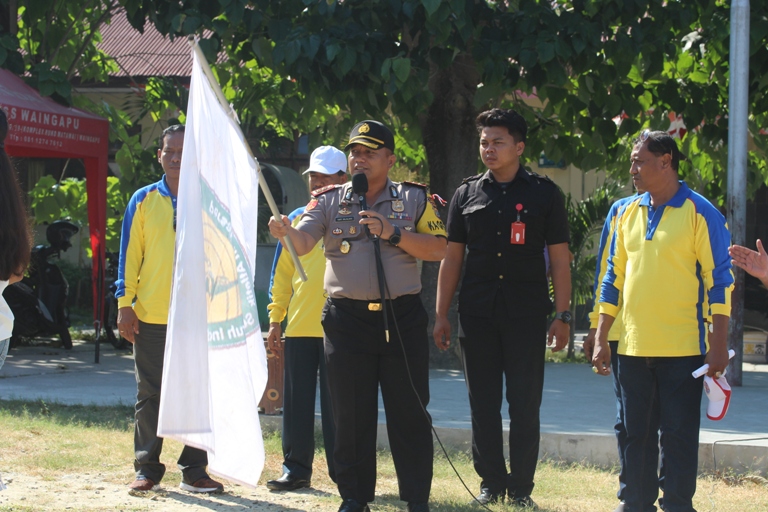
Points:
(164, 96)
(52, 200)
(585, 221)
(57, 40)
(589, 63)
(10, 56)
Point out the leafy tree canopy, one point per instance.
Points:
(428, 66)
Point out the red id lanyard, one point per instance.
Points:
(518, 229)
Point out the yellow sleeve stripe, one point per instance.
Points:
(430, 223)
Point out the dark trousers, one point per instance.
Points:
(303, 358)
(359, 360)
(618, 427)
(659, 394)
(148, 354)
(495, 349)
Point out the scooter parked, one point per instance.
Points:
(39, 301)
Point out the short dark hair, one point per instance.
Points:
(174, 128)
(660, 143)
(514, 122)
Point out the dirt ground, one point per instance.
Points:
(93, 493)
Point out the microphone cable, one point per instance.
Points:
(423, 408)
(360, 187)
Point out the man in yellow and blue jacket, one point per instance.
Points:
(669, 274)
(303, 353)
(143, 296)
(613, 335)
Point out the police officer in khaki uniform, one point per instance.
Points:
(359, 356)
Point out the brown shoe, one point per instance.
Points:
(206, 485)
(142, 484)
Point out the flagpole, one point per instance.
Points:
(262, 181)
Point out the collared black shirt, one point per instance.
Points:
(481, 215)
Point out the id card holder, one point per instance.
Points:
(518, 233)
(517, 236)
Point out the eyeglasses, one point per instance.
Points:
(644, 135)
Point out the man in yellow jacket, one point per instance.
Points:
(143, 298)
(303, 353)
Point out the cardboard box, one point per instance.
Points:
(755, 347)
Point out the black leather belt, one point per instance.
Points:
(373, 305)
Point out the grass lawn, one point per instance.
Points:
(50, 440)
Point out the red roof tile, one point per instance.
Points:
(147, 54)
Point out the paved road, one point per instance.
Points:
(577, 412)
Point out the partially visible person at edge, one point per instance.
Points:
(503, 219)
(359, 356)
(302, 354)
(613, 335)
(755, 263)
(15, 237)
(669, 234)
(143, 295)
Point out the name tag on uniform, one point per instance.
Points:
(518, 233)
(517, 236)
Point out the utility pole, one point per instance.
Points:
(738, 89)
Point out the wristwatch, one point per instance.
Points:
(395, 238)
(564, 316)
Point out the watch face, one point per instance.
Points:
(395, 238)
(567, 317)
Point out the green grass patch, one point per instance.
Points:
(47, 441)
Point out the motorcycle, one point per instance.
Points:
(39, 300)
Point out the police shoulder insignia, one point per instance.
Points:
(472, 178)
(434, 198)
(323, 190)
(312, 203)
(415, 184)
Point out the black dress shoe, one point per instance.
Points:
(350, 505)
(524, 502)
(418, 507)
(287, 482)
(486, 497)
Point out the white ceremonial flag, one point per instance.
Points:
(215, 368)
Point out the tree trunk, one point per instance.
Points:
(450, 139)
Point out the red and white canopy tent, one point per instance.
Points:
(39, 127)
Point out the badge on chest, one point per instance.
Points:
(517, 235)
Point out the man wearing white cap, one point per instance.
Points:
(303, 302)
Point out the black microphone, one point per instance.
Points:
(360, 188)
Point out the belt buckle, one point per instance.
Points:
(374, 306)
